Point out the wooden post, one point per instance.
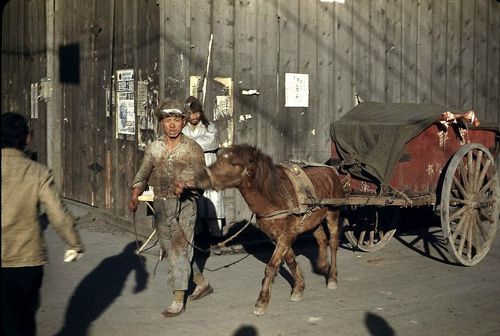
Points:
(54, 104)
(161, 59)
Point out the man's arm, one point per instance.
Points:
(140, 181)
(58, 214)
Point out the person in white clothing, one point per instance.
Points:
(198, 128)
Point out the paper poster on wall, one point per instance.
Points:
(194, 85)
(125, 104)
(146, 101)
(296, 90)
(34, 101)
(223, 109)
(224, 98)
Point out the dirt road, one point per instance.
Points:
(407, 288)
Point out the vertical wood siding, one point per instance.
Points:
(446, 52)
(24, 62)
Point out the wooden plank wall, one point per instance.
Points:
(447, 52)
(37, 46)
(15, 62)
(392, 51)
(98, 166)
(24, 61)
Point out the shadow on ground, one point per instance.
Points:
(419, 229)
(378, 326)
(246, 330)
(100, 288)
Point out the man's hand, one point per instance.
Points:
(179, 188)
(133, 204)
(72, 255)
(134, 199)
(183, 185)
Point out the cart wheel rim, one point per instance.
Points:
(371, 233)
(470, 204)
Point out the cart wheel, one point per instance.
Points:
(370, 228)
(470, 204)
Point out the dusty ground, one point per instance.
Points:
(407, 288)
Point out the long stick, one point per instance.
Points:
(208, 66)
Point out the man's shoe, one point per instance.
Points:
(201, 291)
(175, 309)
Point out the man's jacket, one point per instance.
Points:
(162, 168)
(26, 186)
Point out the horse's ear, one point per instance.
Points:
(256, 153)
(221, 151)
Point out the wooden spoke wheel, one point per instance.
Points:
(370, 228)
(470, 204)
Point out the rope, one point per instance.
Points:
(138, 251)
(219, 245)
(142, 248)
(222, 244)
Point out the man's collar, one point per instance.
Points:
(182, 135)
(12, 152)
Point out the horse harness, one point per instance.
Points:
(304, 190)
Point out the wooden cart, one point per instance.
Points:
(446, 164)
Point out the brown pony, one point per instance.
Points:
(269, 193)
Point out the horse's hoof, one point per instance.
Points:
(259, 311)
(332, 285)
(296, 297)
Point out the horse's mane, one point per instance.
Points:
(267, 177)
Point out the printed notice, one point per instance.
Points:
(296, 90)
(125, 103)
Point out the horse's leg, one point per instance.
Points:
(299, 283)
(274, 263)
(321, 261)
(332, 220)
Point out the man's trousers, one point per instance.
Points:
(175, 221)
(20, 299)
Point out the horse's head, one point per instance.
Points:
(233, 164)
(248, 169)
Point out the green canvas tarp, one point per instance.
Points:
(370, 137)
